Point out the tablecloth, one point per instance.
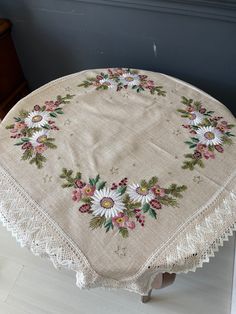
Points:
(119, 174)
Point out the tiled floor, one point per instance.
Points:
(30, 285)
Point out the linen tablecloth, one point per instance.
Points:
(119, 174)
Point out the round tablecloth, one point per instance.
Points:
(119, 174)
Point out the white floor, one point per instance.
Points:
(30, 285)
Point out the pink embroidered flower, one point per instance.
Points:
(158, 191)
(85, 208)
(140, 218)
(202, 110)
(37, 107)
(201, 147)
(223, 127)
(155, 204)
(148, 84)
(54, 127)
(27, 146)
(40, 148)
(51, 105)
(79, 184)
(120, 220)
(76, 195)
(197, 155)
(19, 125)
(186, 126)
(209, 155)
(190, 109)
(88, 190)
(16, 135)
(219, 148)
(130, 224)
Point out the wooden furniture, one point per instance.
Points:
(13, 85)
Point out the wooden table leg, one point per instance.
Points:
(161, 281)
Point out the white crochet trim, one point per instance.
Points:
(34, 229)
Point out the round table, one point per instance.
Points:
(125, 176)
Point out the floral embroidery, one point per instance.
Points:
(122, 79)
(121, 206)
(209, 133)
(33, 129)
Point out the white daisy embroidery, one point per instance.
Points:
(107, 203)
(139, 193)
(209, 135)
(38, 138)
(37, 119)
(195, 118)
(130, 79)
(108, 82)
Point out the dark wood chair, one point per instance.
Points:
(13, 85)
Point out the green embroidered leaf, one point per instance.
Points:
(78, 176)
(124, 232)
(122, 190)
(10, 126)
(97, 179)
(23, 114)
(47, 127)
(176, 190)
(108, 225)
(206, 122)
(50, 145)
(28, 153)
(195, 139)
(182, 111)
(17, 119)
(130, 213)
(197, 105)
(101, 185)
(85, 84)
(192, 146)
(168, 201)
(19, 143)
(67, 185)
(188, 156)
(226, 140)
(200, 163)
(25, 139)
(91, 181)
(97, 222)
(39, 159)
(144, 184)
(59, 111)
(87, 200)
(145, 207)
(152, 213)
(186, 101)
(53, 114)
(229, 134)
(153, 181)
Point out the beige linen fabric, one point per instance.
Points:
(118, 134)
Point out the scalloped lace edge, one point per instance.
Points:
(36, 231)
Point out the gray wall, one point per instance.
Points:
(193, 40)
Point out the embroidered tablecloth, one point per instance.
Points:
(119, 174)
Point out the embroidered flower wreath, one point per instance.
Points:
(122, 205)
(209, 133)
(122, 79)
(33, 129)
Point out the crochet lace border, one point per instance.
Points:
(34, 229)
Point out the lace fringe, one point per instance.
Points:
(34, 229)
